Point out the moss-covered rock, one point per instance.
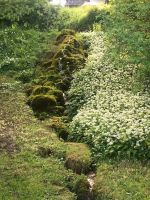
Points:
(29, 89)
(54, 74)
(42, 103)
(63, 35)
(78, 158)
(41, 90)
(60, 127)
(49, 90)
(82, 188)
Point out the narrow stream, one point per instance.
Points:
(91, 180)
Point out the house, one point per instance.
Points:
(75, 3)
(72, 3)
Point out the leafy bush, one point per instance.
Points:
(109, 115)
(20, 50)
(95, 15)
(70, 17)
(35, 13)
(129, 35)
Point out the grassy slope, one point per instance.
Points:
(24, 173)
(123, 181)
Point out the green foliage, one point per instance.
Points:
(70, 17)
(129, 35)
(35, 13)
(123, 181)
(20, 50)
(108, 114)
(94, 16)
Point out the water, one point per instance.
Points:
(91, 180)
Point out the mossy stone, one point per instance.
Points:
(43, 103)
(82, 188)
(60, 127)
(54, 73)
(78, 158)
(42, 90)
(29, 90)
(64, 33)
(48, 83)
(47, 64)
(59, 96)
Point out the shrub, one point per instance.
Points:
(21, 49)
(95, 15)
(111, 117)
(35, 13)
(129, 35)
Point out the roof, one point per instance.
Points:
(74, 2)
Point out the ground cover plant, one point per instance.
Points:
(110, 117)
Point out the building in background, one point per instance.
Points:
(74, 3)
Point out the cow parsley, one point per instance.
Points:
(107, 114)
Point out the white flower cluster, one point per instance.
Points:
(110, 116)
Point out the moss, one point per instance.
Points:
(59, 96)
(42, 103)
(68, 32)
(47, 64)
(78, 158)
(55, 73)
(46, 99)
(72, 63)
(59, 110)
(29, 89)
(53, 77)
(42, 90)
(72, 41)
(82, 188)
(64, 34)
(48, 83)
(60, 127)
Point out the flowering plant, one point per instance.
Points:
(108, 114)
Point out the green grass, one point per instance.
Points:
(78, 157)
(32, 158)
(28, 176)
(123, 181)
